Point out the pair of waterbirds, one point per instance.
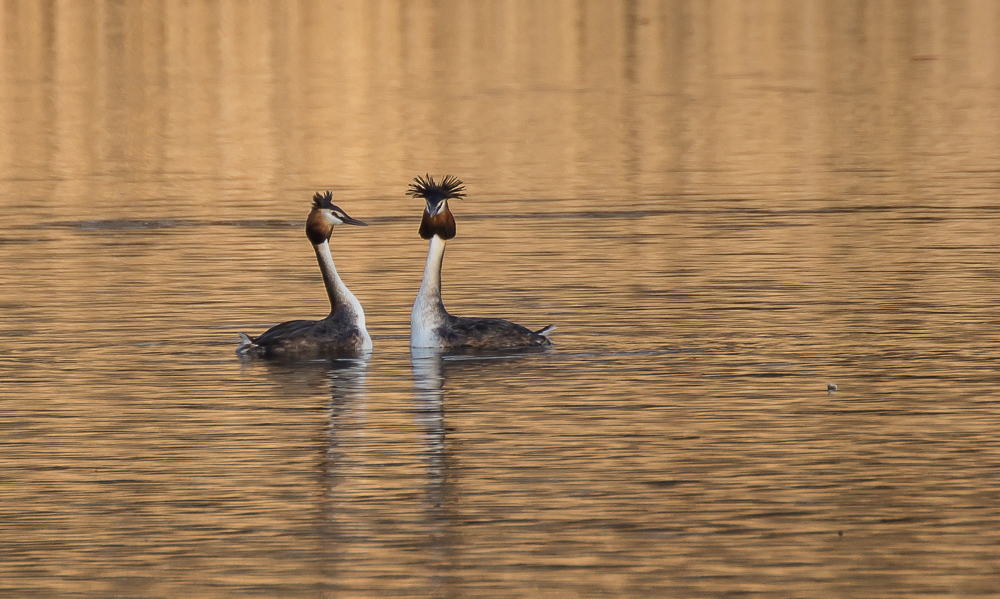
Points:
(431, 326)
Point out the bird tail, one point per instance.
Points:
(546, 331)
(245, 344)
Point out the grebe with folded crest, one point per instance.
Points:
(430, 323)
(344, 329)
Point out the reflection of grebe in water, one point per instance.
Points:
(429, 416)
(430, 323)
(344, 329)
(428, 395)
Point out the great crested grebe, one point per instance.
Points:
(430, 323)
(344, 329)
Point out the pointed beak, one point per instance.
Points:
(436, 209)
(353, 221)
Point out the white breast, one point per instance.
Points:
(425, 319)
(428, 312)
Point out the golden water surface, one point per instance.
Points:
(723, 206)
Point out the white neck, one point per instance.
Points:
(428, 309)
(340, 296)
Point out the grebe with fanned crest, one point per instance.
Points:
(430, 323)
(344, 329)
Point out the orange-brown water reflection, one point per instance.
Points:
(722, 206)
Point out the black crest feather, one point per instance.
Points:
(425, 187)
(323, 200)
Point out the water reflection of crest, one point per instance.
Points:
(346, 421)
(429, 415)
(428, 408)
(431, 370)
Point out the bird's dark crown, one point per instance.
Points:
(323, 200)
(425, 187)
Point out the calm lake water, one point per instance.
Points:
(724, 207)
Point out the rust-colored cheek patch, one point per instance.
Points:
(317, 229)
(442, 225)
(425, 227)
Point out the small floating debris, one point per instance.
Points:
(831, 388)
